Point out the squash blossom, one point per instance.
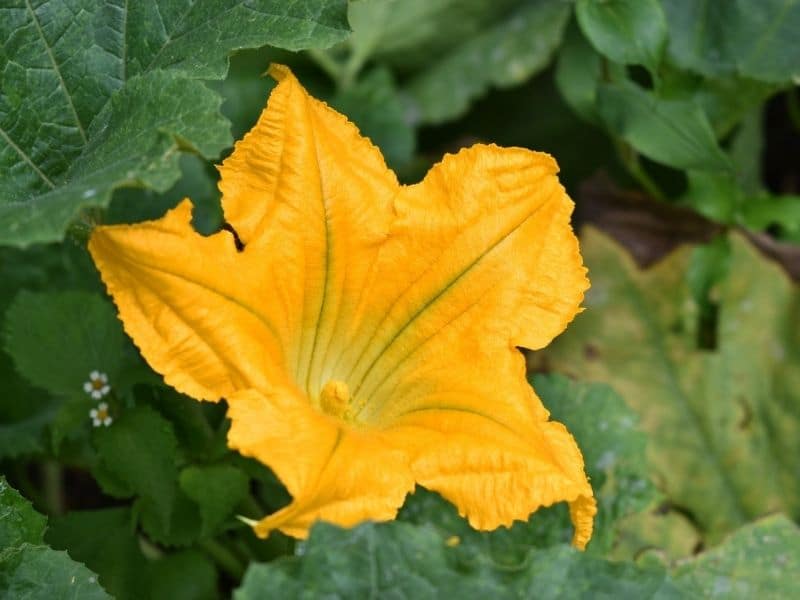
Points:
(365, 333)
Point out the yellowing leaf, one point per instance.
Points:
(722, 420)
(365, 336)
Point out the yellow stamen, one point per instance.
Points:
(335, 398)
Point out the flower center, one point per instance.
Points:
(97, 384)
(335, 398)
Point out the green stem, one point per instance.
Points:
(251, 508)
(224, 558)
(327, 63)
(630, 159)
(52, 487)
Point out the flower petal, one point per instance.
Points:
(191, 304)
(304, 184)
(334, 473)
(493, 474)
(483, 246)
(489, 262)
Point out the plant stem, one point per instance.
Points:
(251, 508)
(52, 487)
(224, 558)
(630, 159)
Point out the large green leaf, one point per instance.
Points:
(613, 447)
(19, 523)
(760, 560)
(753, 39)
(399, 560)
(627, 31)
(28, 569)
(719, 395)
(105, 541)
(97, 95)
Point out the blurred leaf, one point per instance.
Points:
(760, 560)
(726, 417)
(407, 33)
(613, 450)
(106, 542)
(627, 31)
(138, 451)
(505, 54)
(716, 196)
(754, 39)
(579, 71)
(185, 525)
(57, 338)
(661, 535)
(399, 560)
(217, 490)
(186, 575)
(19, 523)
(673, 132)
(188, 417)
(764, 210)
(373, 104)
(88, 108)
(29, 569)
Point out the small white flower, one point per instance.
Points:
(97, 386)
(100, 415)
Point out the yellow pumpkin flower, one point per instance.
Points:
(365, 337)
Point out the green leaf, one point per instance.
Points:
(96, 96)
(626, 31)
(138, 451)
(105, 541)
(407, 33)
(374, 105)
(89, 338)
(760, 560)
(613, 450)
(40, 572)
(714, 195)
(723, 411)
(134, 141)
(398, 560)
(217, 490)
(505, 54)
(578, 73)
(753, 39)
(186, 575)
(29, 569)
(19, 523)
(673, 132)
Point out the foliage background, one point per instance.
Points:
(677, 128)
